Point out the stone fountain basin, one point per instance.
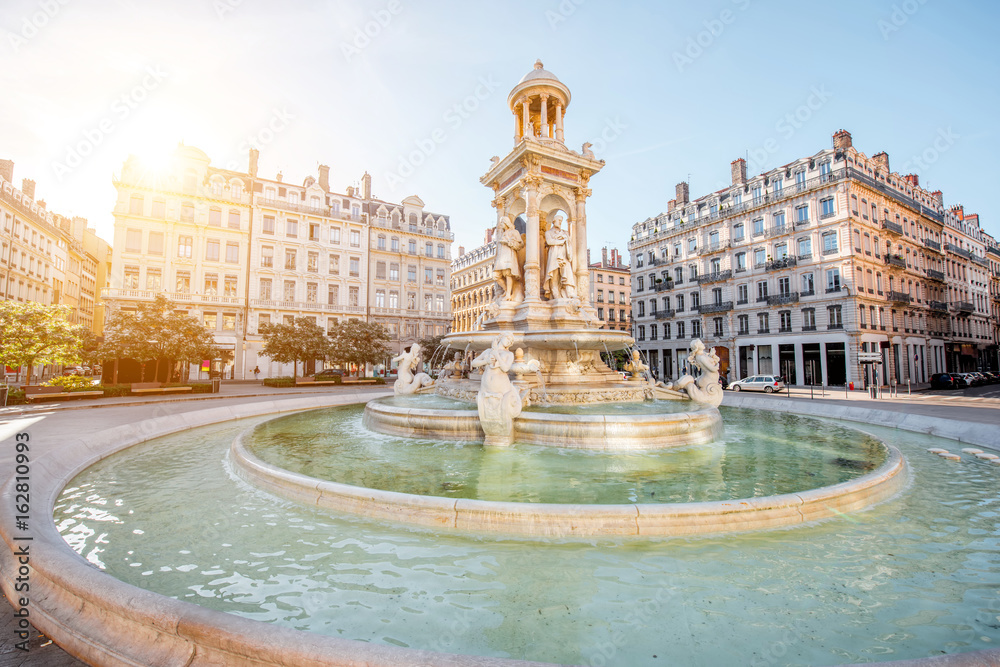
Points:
(700, 425)
(549, 339)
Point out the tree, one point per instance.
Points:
(357, 342)
(301, 340)
(155, 331)
(33, 333)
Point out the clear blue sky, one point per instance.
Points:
(121, 76)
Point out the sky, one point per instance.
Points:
(415, 93)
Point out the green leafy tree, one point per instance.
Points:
(357, 342)
(33, 333)
(301, 340)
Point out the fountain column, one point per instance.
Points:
(532, 267)
(525, 118)
(559, 121)
(545, 116)
(582, 272)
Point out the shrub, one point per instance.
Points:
(379, 380)
(16, 397)
(70, 383)
(201, 387)
(279, 383)
(113, 390)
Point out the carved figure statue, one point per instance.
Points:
(409, 382)
(499, 401)
(637, 367)
(586, 152)
(706, 389)
(494, 161)
(454, 368)
(506, 268)
(560, 280)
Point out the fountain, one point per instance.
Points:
(523, 512)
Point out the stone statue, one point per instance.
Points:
(494, 161)
(499, 401)
(408, 382)
(637, 367)
(506, 268)
(453, 369)
(706, 389)
(560, 281)
(586, 152)
(520, 366)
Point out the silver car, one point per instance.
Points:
(765, 383)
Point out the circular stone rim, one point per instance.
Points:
(547, 429)
(566, 520)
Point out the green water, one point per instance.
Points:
(916, 576)
(758, 456)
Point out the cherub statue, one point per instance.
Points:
(454, 368)
(637, 367)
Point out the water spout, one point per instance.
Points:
(541, 387)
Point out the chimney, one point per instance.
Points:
(959, 211)
(938, 197)
(279, 177)
(671, 205)
(78, 226)
(913, 180)
(41, 204)
(615, 259)
(461, 250)
(604, 256)
(738, 168)
(842, 140)
(28, 188)
(682, 193)
(881, 161)
(366, 186)
(7, 170)
(254, 157)
(324, 177)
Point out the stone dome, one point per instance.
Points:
(538, 73)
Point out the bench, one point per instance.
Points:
(39, 393)
(316, 383)
(140, 388)
(360, 381)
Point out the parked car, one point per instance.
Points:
(329, 374)
(74, 370)
(962, 380)
(764, 383)
(975, 379)
(943, 381)
(994, 376)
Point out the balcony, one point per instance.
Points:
(802, 222)
(938, 306)
(831, 290)
(963, 307)
(809, 327)
(664, 314)
(899, 297)
(981, 261)
(892, 227)
(782, 299)
(779, 230)
(716, 307)
(933, 245)
(180, 297)
(895, 260)
(935, 275)
(778, 264)
(830, 251)
(764, 330)
(833, 327)
(663, 286)
(718, 246)
(809, 293)
(955, 250)
(715, 277)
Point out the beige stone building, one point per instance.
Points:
(610, 290)
(238, 250)
(472, 284)
(993, 258)
(797, 270)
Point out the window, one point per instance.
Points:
(412, 247)
(215, 217)
(159, 209)
(263, 321)
(288, 294)
(696, 329)
(265, 289)
(717, 327)
(802, 214)
(680, 330)
(233, 253)
(394, 244)
(312, 262)
(394, 299)
(268, 227)
(212, 250)
(692, 245)
(234, 218)
(779, 221)
(777, 186)
(135, 204)
(680, 303)
(756, 192)
(807, 284)
(829, 243)
(335, 235)
(153, 279)
(440, 251)
(759, 257)
(785, 323)
(355, 238)
(835, 320)
(230, 286)
(292, 228)
(652, 331)
(741, 261)
(314, 231)
(184, 244)
(394, 272)
(600, 296)
(380, 270)
(334, 267)
(642, 308)
(800, 180)
(229, 322)
(808, 319)
(290, 260)
(695, 300)
(600, 313)
(744, 324)
(428, 276)
(411, 273)
(762, 290)
(333, 294)
(183, 282)
(133, 240)
(758, 227)
(355, 267)
(211, 321)
(211, 284)
(642, 332)
(784, 286)
(639, 284)
(833, 280)
(763, 323)
(738, 232)
(439, 280)
(381, 242)
(805, 248)
(155, 246)
(826, 207)
(429, 249)
(411, 301)
(311, 292)
(742, 293)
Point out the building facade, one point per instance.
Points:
(239, 251)
(610, 291)
(472, 284)
(799, 269)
